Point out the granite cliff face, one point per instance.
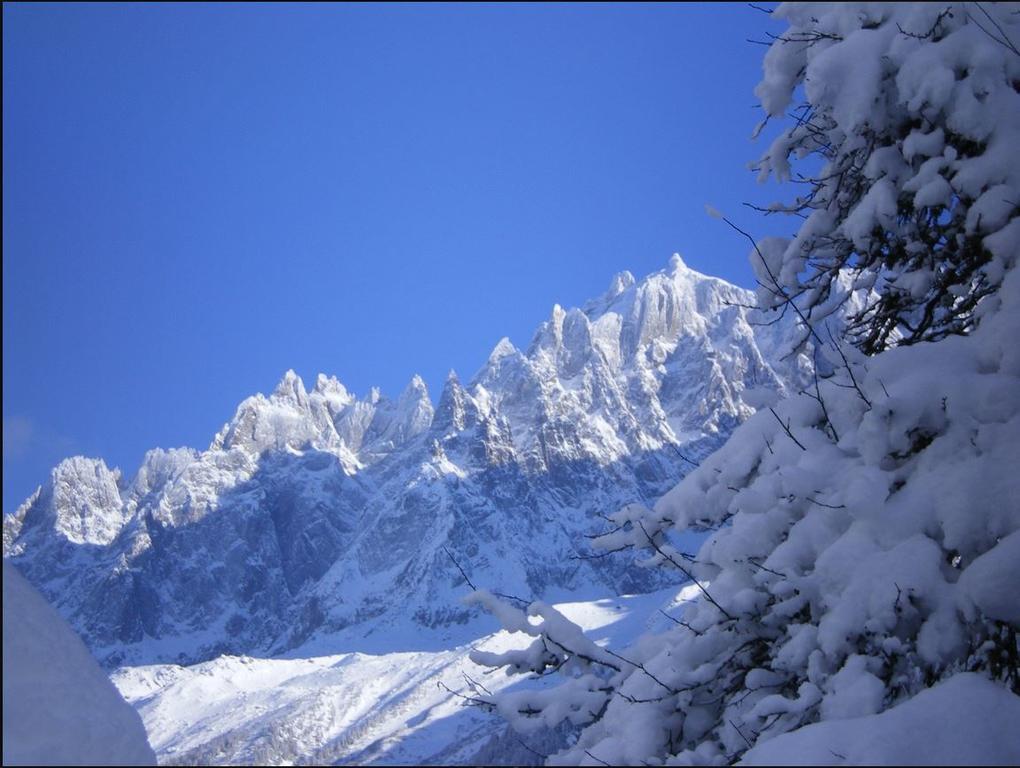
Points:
(313, 510)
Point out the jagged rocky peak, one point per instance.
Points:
(262, 423)
(290, 417)
(414, 408)
(159, 467)
(662, 308)
(14, 523)
(394, 423)
(330, 389)
(563, 342)
(456, 410)
(504, 348)
(549, 335)
(291, 390)
(353, 422)
(621, 282)
(633, 323)
(82, 496)
(329, 418)
(415, 393)
(505, 373)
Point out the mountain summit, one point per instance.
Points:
(313, 510)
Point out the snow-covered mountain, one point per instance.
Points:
(314, 510)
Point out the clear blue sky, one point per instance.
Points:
(196, 198)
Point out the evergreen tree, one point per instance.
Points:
(863, 537)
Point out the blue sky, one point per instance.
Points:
(196, 198)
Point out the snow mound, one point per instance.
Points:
(924, 730)
(59, 707)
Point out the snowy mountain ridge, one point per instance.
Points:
(313, 510)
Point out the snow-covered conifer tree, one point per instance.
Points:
(912, 113)
(863, 537)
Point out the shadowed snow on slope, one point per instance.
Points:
(362, 702)
(59, 707)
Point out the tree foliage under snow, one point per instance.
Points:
(913, 112)
(864, 535)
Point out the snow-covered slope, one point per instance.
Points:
(313, 510)
(360, 704)
(59, 707)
